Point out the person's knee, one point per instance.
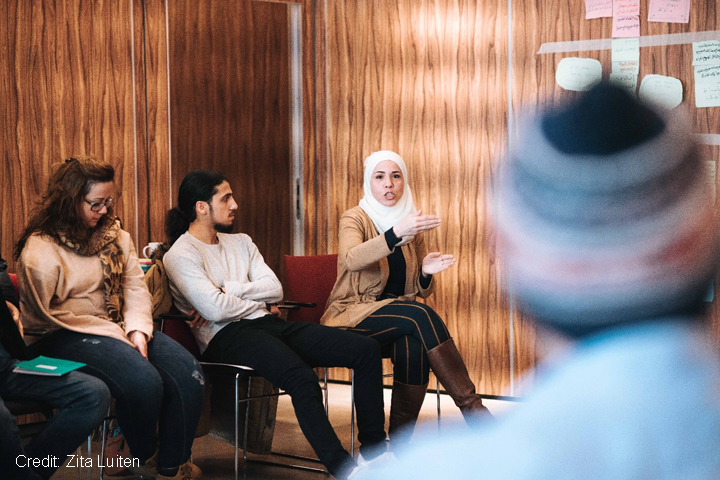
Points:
(142, 390)
(365, 349)
(7, 420)
(301, 381)
(96, 396)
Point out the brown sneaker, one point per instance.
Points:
(187, 471)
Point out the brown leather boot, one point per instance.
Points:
(449, 368)
(404, 410)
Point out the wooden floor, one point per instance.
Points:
(215, 457)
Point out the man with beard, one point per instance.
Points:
(222, 279)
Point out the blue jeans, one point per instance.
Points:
(82, 402)
(162, 395)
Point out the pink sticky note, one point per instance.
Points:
(673, 11)
(626, 26)
(626, 8)
(598, 8)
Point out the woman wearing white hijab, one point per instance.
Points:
(382, 266)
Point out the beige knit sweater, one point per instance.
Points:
(61, 289)
(363, 271)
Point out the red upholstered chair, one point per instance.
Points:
(13, 277)
(309, 280)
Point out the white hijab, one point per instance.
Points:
(384, 217)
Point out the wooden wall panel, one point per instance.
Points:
(315, 164)
(428, 80)
(152, 117)
(229, 109)
(67, 88)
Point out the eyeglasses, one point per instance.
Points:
(97, 206)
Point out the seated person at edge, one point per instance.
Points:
(82, 402)
(224, 277)
(383, 265)
(606, 223)
(81, 279)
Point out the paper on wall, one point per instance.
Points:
(662, 91)
(673, 11)
(626, 8)
(706, 53)
(707, 86)
(625, 49)
(627, 81)
(598, 8)
(625, 55)
(578, 74)
(626, 67)
(626, 26)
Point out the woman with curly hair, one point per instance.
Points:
(79, 272)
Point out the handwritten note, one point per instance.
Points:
(707, 74)
(625, 49)
(628, 26)
(626, 8)
(578, 74)
(626, 67)
(662, 91)
(628, 81)
(673, 11)
(707, 86)
(598, 8)
(706, 53)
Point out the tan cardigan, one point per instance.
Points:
(61, 289)
(363, 271)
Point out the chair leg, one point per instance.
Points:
(247, 420)
(102, 448)
(237, 412)
(352, 413)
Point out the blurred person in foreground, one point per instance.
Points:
(606, 225)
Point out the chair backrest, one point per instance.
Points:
(309, 279)
(180, 331)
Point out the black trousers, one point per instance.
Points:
(406, 331)
(285, 353)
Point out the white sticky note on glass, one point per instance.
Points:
(707, 94)
(706, 53)
(662, 91)
(626, 66)
(707, 86)
(627, 81)
(625, 49)
(578, 74)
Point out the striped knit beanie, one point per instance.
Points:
(604, 215)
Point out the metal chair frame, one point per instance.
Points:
(244, 371)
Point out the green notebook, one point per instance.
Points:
(53, 367)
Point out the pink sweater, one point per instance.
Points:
(61, 289)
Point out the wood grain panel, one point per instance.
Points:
(153, 128)
(67, 89)
(229, 109)
(428, 80)
(315, 165)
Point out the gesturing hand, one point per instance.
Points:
(436, 262)
(414, 223)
